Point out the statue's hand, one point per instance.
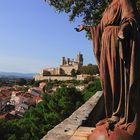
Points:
(80, 28)
(125, 31)
(121, 35)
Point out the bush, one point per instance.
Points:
(91, 89)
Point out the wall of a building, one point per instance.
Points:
(68, 68)
(60, 78)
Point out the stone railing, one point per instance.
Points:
(66, 129)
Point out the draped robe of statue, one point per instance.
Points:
(119, 59)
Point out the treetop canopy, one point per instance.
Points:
(89, 10)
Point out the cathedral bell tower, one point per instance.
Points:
(79, 59)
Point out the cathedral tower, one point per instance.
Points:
(79, 59)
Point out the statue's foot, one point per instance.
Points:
(121, 122)
(102, 122)
(111, 122)
(124, 126)
(113, 119)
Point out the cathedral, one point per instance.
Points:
(66, 67)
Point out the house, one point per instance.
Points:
(35, 91)
(15, 97)
(26, 101)
(5, 97)
(42, 85)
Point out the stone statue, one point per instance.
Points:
(116, 46)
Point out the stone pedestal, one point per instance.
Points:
(101, 133)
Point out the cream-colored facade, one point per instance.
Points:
(59, 78)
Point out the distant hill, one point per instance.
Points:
(16, 75)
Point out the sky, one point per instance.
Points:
(34, 36)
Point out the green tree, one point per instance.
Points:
(89, 69)
(49, 85)
(89, 10)
(138, 5)
(21, 81)
(12, 137)
(73, 73)
(53, 118)
(30, 81)
(26, 136)
(36, 83)
(91, 89)
(65, 100)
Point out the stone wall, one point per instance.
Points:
(66, 129)
(68, 68)
(60, 78)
